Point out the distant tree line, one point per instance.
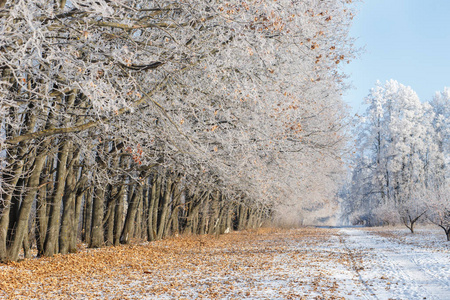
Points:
(401, 170)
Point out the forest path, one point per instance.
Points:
(396, 269)
(306, 263)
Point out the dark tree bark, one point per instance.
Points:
(173, 225)
(76, 218)
(111, 203)
(25, 209)
(97, 218)
(51, 241)
(87, 216)
(409, 221)
(110, 215)
(17, 160)
(51, 246)
(138, 222)
(151, 227)
(193, 209)
(42, 209)
(68, 207)
(243, 216)
(41, 221)
(164, 208)
(26, 245)
(156, 210)
(128, 228)
(213, 213)
(204, 215)
(118, 215)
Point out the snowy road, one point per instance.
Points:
(398, 269)
(307, 263)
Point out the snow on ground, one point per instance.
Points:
(307, 263)
(400, 265)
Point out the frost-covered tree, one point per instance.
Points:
(395, 154)
(438, 168)
(440, 106)
(146, 118)
(400, 165)
(439, 208)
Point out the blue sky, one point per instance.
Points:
(405, 40)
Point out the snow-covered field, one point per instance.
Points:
(396, 264)
(307, 263)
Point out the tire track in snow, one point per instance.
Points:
(436, 270)
(409, 272)
(369, 293)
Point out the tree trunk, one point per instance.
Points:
(223, 218)
(42, 209)
(129, 226)
(194, 214)
(51, 241)
(110, 215)
(26, 205)
(143, 212)
(164, 208)
(214, 214)
(87, 216)
(10, 180)
(5, 208)
(14, 208)
(193, 208)
(76, 218)
(243, 212)
(41, 220)
(138, 223)
(68, 207)
(229, 224)
(174, 225)
(151, 233)
(97, 218)
(112, 196)
(25, 209)
(251, 218)
(26, 244)
(157, 199)
(204, 214)
(118, 215)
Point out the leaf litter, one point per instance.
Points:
(306, 263)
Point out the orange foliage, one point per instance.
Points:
(183, 266)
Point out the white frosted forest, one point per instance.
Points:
(142, 119)
(134, 123)
(400, 170)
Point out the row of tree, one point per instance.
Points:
(401, 169)
(138, 119)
